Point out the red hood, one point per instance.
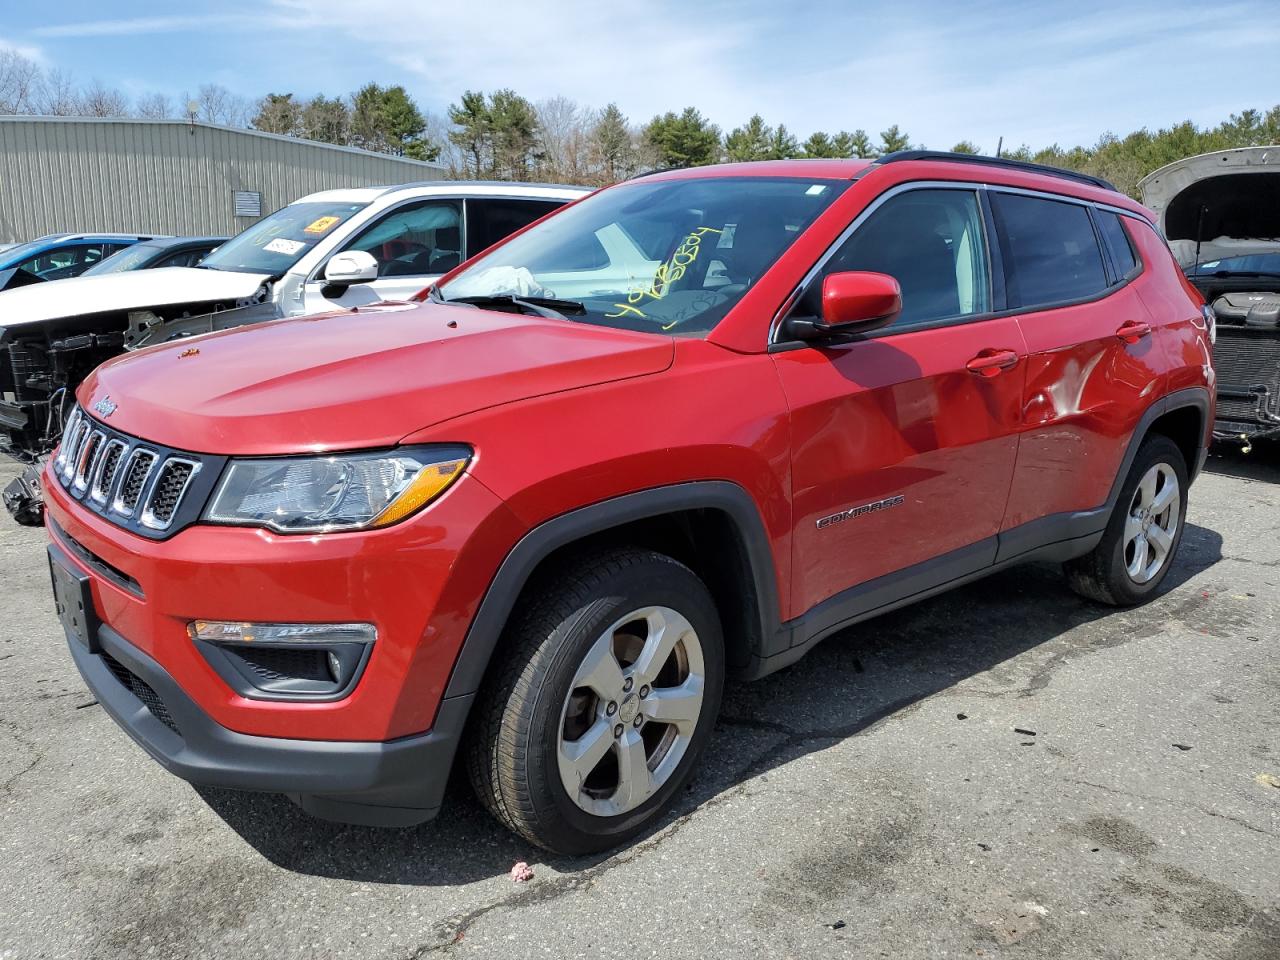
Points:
(356, 379)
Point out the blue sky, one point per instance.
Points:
(1036, 72)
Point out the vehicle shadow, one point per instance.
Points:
(1261, 463)
(846, 685)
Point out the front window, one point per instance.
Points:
(130, 258)
(668, 256)
(276, 243)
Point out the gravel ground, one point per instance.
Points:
(1002, 771)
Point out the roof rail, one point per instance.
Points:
(1006, 162)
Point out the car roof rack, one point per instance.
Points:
(1027, 165)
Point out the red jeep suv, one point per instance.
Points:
(681, 430)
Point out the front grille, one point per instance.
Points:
(145, 487)
(142, 690)
(1247, 361)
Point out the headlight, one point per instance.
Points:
(349, 491)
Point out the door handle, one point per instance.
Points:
(1131, 331)
(991, 363)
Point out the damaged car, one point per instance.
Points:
(1221, 215)
(337, 249)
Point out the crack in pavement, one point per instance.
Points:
(1170, 802)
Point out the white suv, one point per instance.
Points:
(332, 250)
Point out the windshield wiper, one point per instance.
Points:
(549, 307)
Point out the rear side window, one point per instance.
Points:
(489, 221)
(1116, 240)
(1051, 253)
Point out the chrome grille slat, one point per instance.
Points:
(69, 430)
(105, 474)
(137, 470)
(83, 429)
(87, 459)
(165, 496)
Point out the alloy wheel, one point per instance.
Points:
(631, 711)
(1152, 523)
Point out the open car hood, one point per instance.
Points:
(1229, 200)
(356, 379)
(131, 290)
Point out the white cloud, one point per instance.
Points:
(135, 26)
(23, 50)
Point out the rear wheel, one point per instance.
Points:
(1144, 531)
(608, 692)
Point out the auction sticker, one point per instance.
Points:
(321, 225)
(281, 245)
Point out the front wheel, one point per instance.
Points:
(607, 695)
(1142, 536)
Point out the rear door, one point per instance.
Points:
(1093, 367)
(904, 440)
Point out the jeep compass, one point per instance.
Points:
(679, 432)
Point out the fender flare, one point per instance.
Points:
(499, 600)
(1197, 397)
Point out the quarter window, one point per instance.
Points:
(1051, 253)
(1117, 242)
(488, 221)
(932, 243)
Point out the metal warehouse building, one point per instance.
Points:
(79, 174)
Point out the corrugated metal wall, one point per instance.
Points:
(139, 176)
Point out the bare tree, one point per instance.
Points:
(19, 82)
(217, 104)
(57, 95)
(96, 100)
(155, 106)
(564, 134)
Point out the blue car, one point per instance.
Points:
(62, 255)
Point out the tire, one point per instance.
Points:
(549, 706)
(1106, 574)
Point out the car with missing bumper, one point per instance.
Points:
(335, 249)
(678, 433)
(1221, 214)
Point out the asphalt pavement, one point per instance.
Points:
(1003, 771)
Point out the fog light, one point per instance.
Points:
(286, 661)
(222, 631)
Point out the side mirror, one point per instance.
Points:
(354, 266)
(855, 301)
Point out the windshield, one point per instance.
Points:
(1267, 263)
(670, 256)
(275, 244)
(131, 258)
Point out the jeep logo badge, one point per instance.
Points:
(106, 406)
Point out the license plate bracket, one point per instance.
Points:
(73, 600)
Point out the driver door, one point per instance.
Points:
(413, 244)
(903, 440)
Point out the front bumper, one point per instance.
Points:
(394, 783)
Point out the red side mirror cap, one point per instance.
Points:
(859, 300)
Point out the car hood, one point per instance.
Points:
(356, 379)
(1217, 197)
(132, 290)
